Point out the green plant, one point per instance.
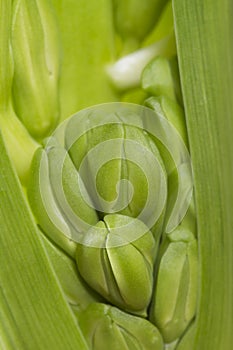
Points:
(77, 51)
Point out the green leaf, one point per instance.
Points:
(77, 292)
(204, 31)
(34, 313)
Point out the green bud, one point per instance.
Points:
(44, 205)
(161, 78)
(121, 167)
(170, 110)
(56, 193)
(36, 65)
(116, 259)
(174, 299)
(134, 19)
(69, 190)
(105, 327)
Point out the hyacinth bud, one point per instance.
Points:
(110, 159)
(99, 191)
(43, 194)
(134, 19)
(106, 327)
(174, 299)
(120, 165)
(116, 259)
(172, 111)
(161, 78)
(36, 56)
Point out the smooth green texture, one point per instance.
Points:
(131, 153)
(44, 206)
(171, 111)
(174, 299)
(87, 45)
(204, 31)
(34, 313)
(77, 292)
(69, 191)
(36, 56)
(163, 27)
(134, 19)
(20, 145)
(18, 141)
(161, 78)
(106, 327)
(6, 66)
(123, 274)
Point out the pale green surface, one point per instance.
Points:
(174, 299)
(44, 205)
(36, 56)
(126, 163)
(87, 45)
(161, 77)
(171, 111)
(22, 147)
(73, 285)
(106, 327)
(69, 191)
(85, 82)
(134, 20)
(204, 31)
(122, 274)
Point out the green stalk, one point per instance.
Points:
(88, 44)
(20, 144)
(204, 31)
(33, 311)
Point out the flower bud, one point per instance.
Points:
(116, 259)
(120, 166)
(52, 175)
(172, 111)
(178, 172)
(161, 78)
(106, 327)
(36, 56)
(174, 299)
(134, 19)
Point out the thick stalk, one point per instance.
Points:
(204, 31)
(88, 45)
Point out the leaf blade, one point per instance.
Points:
(35, 309)
(205, 50)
